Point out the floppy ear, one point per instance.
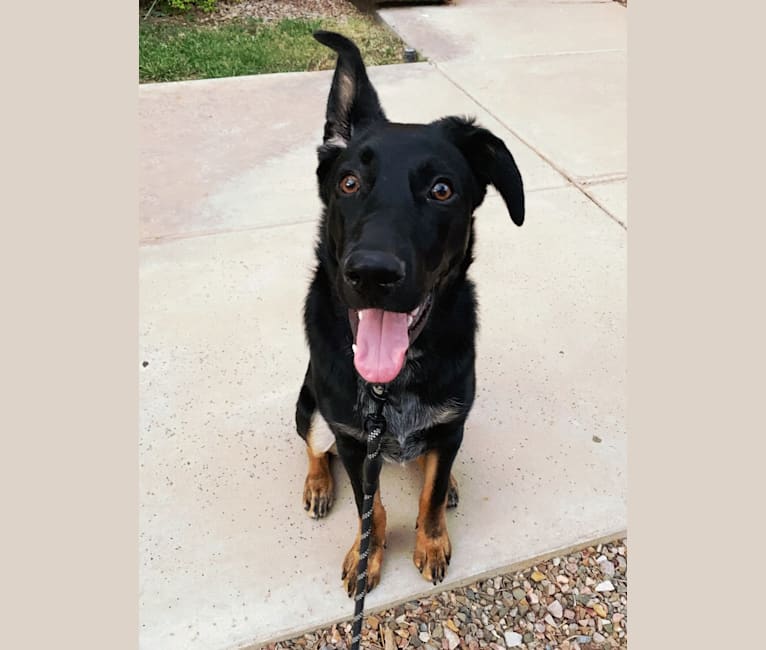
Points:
(353, 102)
(490, 161)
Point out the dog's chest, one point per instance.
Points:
(407, 420)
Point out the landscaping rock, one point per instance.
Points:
(533, 616)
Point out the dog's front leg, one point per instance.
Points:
(433, 549)
(352, 454)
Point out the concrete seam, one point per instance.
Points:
(604, 179)
(539, 55)
(169, 238)
(573, 180)
(158, 240)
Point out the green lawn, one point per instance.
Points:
(175, 50)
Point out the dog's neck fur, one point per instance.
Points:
(407, 416)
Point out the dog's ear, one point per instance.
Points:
(353, 102)
(490, 161)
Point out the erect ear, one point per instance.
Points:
(490, 161)
(353, 102)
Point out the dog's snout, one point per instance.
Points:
(373, 270)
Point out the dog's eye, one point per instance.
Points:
(349, 184)
(441, 191)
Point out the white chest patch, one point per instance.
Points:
(322, 439)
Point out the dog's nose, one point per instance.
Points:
(373, 270)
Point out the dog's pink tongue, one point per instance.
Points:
(381, 345)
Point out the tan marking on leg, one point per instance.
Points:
(453, 494)
(428, 464)
(318, 489)
(375, 558)
(432, 545)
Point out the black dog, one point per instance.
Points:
(390, 301)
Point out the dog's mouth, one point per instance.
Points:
(382, 338)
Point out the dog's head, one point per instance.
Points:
(399, 202)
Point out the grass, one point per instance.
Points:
(177, 50)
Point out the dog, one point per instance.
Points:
(390, 301)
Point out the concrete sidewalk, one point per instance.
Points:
(554, 72)
(228, 212)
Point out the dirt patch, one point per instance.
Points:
(268, 10)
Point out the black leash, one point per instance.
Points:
(374, 427)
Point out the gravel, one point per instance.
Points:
(554, 605)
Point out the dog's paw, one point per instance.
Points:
(350, 564)
(453, 496)
(318, 495)
(432, 556)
